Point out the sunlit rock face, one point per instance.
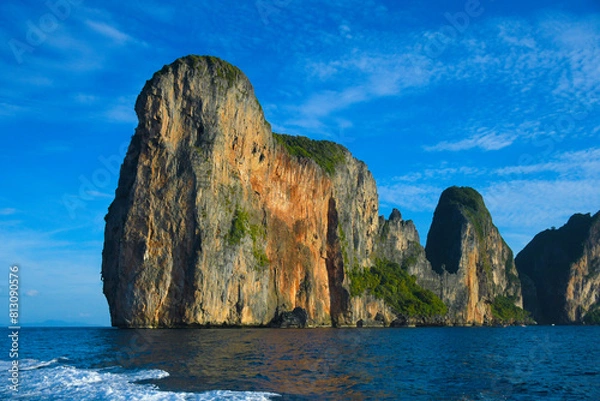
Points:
(216, 221)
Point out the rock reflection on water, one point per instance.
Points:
(291, 362)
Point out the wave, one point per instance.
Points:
(32, 364)
(50, 380)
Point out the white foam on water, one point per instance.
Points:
(45, 380)
(32, 364)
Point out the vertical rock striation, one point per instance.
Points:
(474, 264)
(560, 269)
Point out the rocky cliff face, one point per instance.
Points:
(217, 221)
(399, 242)
(474, 265)
(560, 270)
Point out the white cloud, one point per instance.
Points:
(8, 211)
(440, 173)
(483, 141)
(523, 200)
(108, 31)
(11, 110)
(574, 164)
(68, 269)
(538, 204)
(372, 76)
(413, 197)
(98, 194)
(542, 72)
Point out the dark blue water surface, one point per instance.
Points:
(515, 363)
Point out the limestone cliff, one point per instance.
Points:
(560, 269)
(475, 266)
(216, 221)
(399, 242)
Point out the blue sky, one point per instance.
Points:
(498, 95)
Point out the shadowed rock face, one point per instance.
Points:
(560, 270)
(474, 263)
(217, 221)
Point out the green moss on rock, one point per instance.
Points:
(241, 227)
(457, 206)
(328, 155)
(593, 315)
(223, 70)
(505, 311)
(388, 281)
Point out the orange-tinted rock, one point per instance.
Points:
(215, 222)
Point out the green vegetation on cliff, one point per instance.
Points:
(457, 206)
(388, 281)
(328, 155)
(505, 311)
(593, 315)
(240, 227)
(471, 203)
(224, 70)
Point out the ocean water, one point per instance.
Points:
(514, 363)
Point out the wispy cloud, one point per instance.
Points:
(544, 72)
(8, 211)
(523, 199)
(369, 77)
(68, 269)
(58, 75)
(483, 141)
(537, 204)
(583, 163)
(440, 173)
(98, 194)
(514, 71)
(413, 197)
(108, 31)
(84, 98)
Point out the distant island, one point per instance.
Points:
(219, 222)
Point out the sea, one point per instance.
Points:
(452, 363)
